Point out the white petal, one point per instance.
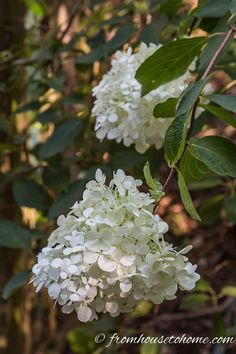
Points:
(36, 268)
(87, 212)
(101, 133)
(82, 291)
(112, 134)
(54, 290)
(56, 263)
(106, 264)
(185, 249)
(43, 262)
(99, 305)
(63, 275)
(67, 308)
(39, 287)
(84, 313)
(90, 257)
(112, 306)
(76, 258)
(98, 175)
(67, 251)
(92, 292)
(125, 286)
(127, 260)
(162, 227)
(53, 273)
(75, 297)
(72, 269)
(120, 175)
(112, 118)
(61, 220)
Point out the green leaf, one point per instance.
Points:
(166, 109)
(123, 34)
(7, 147)
(233, 6)
(203, 286)
(3, 124)
(205, 183)
(56, 177)
(220, 113)
(61, 138)
(213, 43)
(151, 33)
(186, 198)
(56, 83)
(30, 106)
(14, 236)
(210, 209)
(225, 101)
(156, 189)
(67, 198)
(230, 207)
(35, 7)
(191, 168)
(190, 96)
(228, 291)
(2, 86)
(49, 115)
(28, 193)
(150, 348)
(18, 280)
(142, 309)
(218, 153)
(125, 159)
(95, 55)
(175, 139)
(168, 63)
(194, 301)
(170, 7)
(214, 8)
(219, 329)
(73, 99)
(176, 134)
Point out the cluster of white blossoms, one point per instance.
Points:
(109, 252)
(122, 113)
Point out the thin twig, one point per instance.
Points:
(195, 314)
(172, 170)
(218, 52)
(71, 19)
(181, 316)
(191, 28)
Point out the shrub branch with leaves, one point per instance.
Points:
(118, 89)
(110, 275)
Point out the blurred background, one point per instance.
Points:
(52, 53)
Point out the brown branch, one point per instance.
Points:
(172, 170)
(181, 316)
(195, 314)
(191, 28)
(218, 52)
(71, 19)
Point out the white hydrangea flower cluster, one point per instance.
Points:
(109, 252)
(120, 110)
(122, 113)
